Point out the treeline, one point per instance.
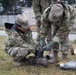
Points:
(12, 6)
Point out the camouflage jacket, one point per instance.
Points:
(39, 6)
(18, 39)
(65, 25)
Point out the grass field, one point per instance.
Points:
(7, 68)
(1, 27)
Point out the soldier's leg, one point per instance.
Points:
(18, 53)
(65, 49)
(71, 48)
(55, 59)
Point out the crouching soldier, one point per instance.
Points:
(19, 42)
(62, 16)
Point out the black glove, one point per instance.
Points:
(39, 52)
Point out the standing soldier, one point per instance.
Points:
(62, 16)
(39, 6)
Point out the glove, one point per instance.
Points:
(39, 53)
(48, 46)
(42, 41)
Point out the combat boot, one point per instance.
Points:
(55, 59)
(64, 59)
(64, 56)
(16, 62)
(19, 62)
(42, 61)
(38, 61)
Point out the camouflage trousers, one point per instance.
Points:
(19, 52)
(63, 46)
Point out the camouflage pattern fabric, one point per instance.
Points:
(65, 26)
(18, 45)
(39, 6)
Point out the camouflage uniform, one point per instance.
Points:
(18, 44)
(39, 6)
(65, 25)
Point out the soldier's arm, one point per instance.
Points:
(45, 28)
(37, 9)
(62, 32)
(31, 40)
(46, 24)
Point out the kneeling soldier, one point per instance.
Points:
(19, 42)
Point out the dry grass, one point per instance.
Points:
(7, 68)
(1, 27)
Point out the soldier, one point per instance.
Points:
(61, 16)
(20, 42)
(39, 6)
